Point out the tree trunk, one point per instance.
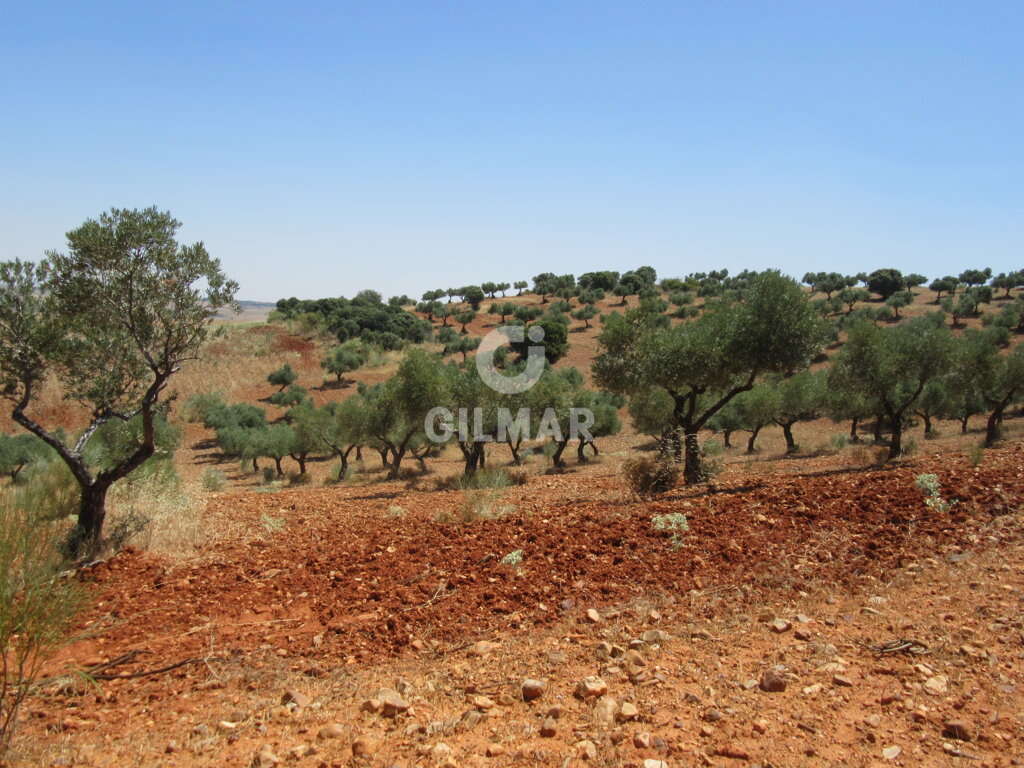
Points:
(579, 452)
(752, 440)
(514, 449)
(896, 444)
(878, 429)
(727, 438)
(359, 452)
(397, 454)
(963, 425)
(277, 463)
(992, 427)
(473, 458)
(255, 464)
(92, 511)
(854, 437)
(928, 431)
(693, 471)
(300, 459)
(556, 457)
(383, 456)
(787, 432)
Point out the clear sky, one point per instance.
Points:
(318, 149)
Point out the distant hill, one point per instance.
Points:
(251, 312)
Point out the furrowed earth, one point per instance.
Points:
(288, 626)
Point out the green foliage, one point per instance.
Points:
(115, 441)
(891, 366)
(850, 297)
(283, 377)
(932, 490)
(361, 317)
(513, 559)
(770, 327)
(943, 285)
(674, 523)
(294, 395)
(828, 282)
(899, 300)
(462, 345)
(342, 360)
(473, 296)
(886, 282)
(605, 281)
(196, 408)
(997, 379)
(555, 341)
(464, 318)
(20, 451)
(975, 276)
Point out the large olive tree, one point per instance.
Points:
(111, 320)
(704, 363)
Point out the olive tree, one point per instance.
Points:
(892, 366)
(397, 408)
(754, 410)
(886, 282)
(341, 360)
(18, 452)
(704, 363)
(283, 377)
(801, 397)
(112, 320)
(999, 378)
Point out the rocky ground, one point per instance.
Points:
(825, 618)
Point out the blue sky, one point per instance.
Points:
(324, 148)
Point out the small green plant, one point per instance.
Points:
(674, 523)
(269, 475)
(483, 505)
(396, 511)
(839, 442)
(271, 524)
(647, 477)
(976, 455)
(909, 447)
(214, 479)
(513, 559)
(929, 486)
(485, 479)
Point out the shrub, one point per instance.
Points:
(839, 442)
(269, 475)
(647, 476)
(674, 523)
(930, 487)
(36, 604)
(975, 455)
(197, 408)
(483, 505)
(214, 479)
(513, 558)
